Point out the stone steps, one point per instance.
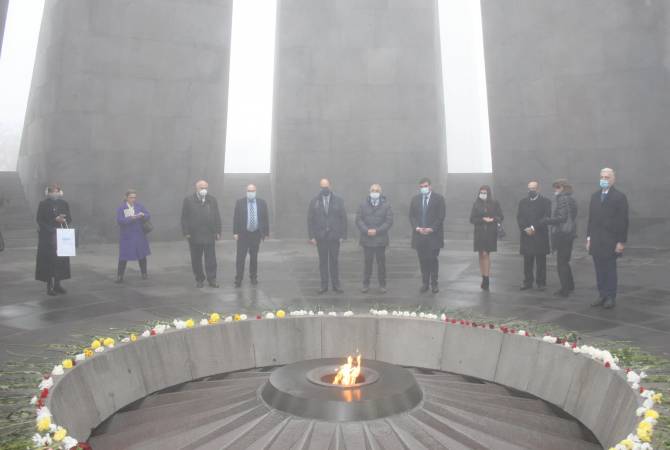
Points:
(225, 412)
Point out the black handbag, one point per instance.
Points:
(147, 227)
(501, 230)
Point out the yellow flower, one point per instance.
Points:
(281, 314)
(657, 398)
(60, 434)
(651, 413)
(236, 317)
(627, 443)
(95, 344)
(109, 342)
(644, 426)
(214, 318)
(88, 352)
(190, 323)
(133, 337)
(67, 364)
(43, 424)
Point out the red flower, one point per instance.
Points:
(627, 370)
(44, 393)
(641, 389)
(491, 326)
(84, 446)
(574, 345)
(513, 331)
(453, 320)
(607, 364)
(153, 332)
(474, 324)
(39, 403)
(258, 317)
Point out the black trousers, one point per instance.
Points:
(247, 243)
(329, 252)
(197, 252)
(370, 254)
(606, 275)
(540, 263)
(122, 266)
(563, 255)
(430, 265)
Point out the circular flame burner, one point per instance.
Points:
(305, 389)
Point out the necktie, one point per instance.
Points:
(251, 225)
(603, 195)
(424, 210)
(326, 200)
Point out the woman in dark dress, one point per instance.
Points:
(133, 243)
(485, 216)
(52, 213)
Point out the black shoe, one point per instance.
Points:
(435, 289)
(541, 287)
(238, 284)
(485, 283)
(561, 293)
(323, 290)
(119, 280)
(424, 288)
(382, 289)
(50, 291)
(199, 284)
(58, 289)
(365, 289)
(525, 287)
(609, 303)
(337, 290)
(213, 284)
(145, 276)
(599, 302)
(254, 282)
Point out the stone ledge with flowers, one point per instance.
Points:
(587, 382)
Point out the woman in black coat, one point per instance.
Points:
(52, 213)
(485, 216)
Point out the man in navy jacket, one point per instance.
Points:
(251, 225)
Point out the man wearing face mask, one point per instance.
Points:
(374, 219)
(52, 213)
(201, 225)
(251, 225)
(327, 226)
(533, 212)
(427, 211)
(606, 235)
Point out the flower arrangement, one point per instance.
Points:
(52, 436)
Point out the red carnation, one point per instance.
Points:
(39, 403)
(44, 393)
(574, 345)
(491, 326)
(453, 320)
(607, 364)
(258, 316)
(641, 389)
(153, 332)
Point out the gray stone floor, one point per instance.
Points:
(30, 320)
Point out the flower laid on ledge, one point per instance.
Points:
(52, 436)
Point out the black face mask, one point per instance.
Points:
(533, 194)
(325, 191)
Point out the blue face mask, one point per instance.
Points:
(604, 184)
(424, 190)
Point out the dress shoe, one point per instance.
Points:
(323, 290)
(599, 302)
(50, 291)
(365, 289)
(609, 303)
(435, 289)
(254, 282)
(561, 293)
(525, 287)
(237, 284)
(337, 290)
(485, 283)
(59, 289)
(424, 288)
(213, 284)
(541, 287)
(145, 276)
(382, 289)
(199, 284)
(119, 280)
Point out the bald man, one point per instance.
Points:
(251, 225)
(606, 236)
(201, 225)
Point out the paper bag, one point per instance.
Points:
(65, 242)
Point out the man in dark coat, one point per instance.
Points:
(606, 235)
(201, 225)
(374, 219)
(52, 213)
(534, 245)
(426, 215)
(327, 226)
(251, 225)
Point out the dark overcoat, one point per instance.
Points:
(327, 226)
(534, 213)
(378, 217)
(201, 219)
(608, 222)
(564, 211)
(434, 219)
(133, 242)
(240, 219)
(486, 233)
(48, 264)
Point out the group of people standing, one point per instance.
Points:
(543, 225)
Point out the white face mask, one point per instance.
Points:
(483, 195)
(251, 195)
(202, 192)
(375, 195)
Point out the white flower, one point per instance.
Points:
(632, 377)
(146, 333)
(522, 332)
(422, 315)
(125, 340)
(373, 311)
(228, 319)
(160, 328)
(42, 413)
(405, 313)
(47, 383)
(57, 370)
(320, 313)
(33, 401)
(311, 313)
(443, 317)
(635, 386)
(332, 313)
(394, 313)
(650, 420)
(243, 317)
(204, 322)
(348, 314)
(269, 315)
(52, 428)
(648, 393)
(412, 314)
(69, 442)
(640, 411)
(99, 349)
(550, 339)
(179, 324)
(648, 403)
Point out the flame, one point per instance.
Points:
(347, 373)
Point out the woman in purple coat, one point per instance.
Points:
(133, 244)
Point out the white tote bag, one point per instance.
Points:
(65, 242)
